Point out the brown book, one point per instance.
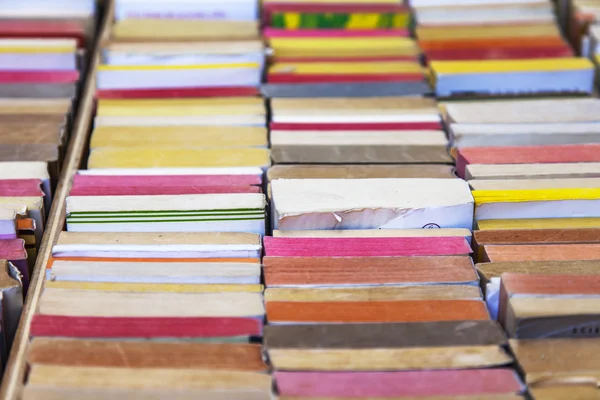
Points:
(557, 287)
(353, 171)
(386, 347)
(571, 392)
(558, 361)
(367, 154)
(130, 354)
(534, 236)
(487, 271)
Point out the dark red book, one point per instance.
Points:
(120, 327)
(179, 92)
(499, 53)
(43, 29)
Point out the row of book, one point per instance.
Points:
(42, 51)
(498, 48)
(154, 289)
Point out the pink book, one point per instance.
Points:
(565, 153)
(365, 247)
(472, 382)
(81, 181)
(21, 188)
(159, 190)
(39, 76)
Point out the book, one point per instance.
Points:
(297, 200)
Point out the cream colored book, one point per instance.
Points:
(533, 184)
(91, 303)
(315, 204)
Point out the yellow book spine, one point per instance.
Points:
(539, 223)
(517, 196)
(501, 66)
(177, 158)
(36, 50)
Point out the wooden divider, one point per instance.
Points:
(14, 373)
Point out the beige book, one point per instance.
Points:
(157, 239)
(53, 376)
(138, 304)
(378, 293)
(165, 29)
(37, 106)
(530, 171)
(487, 271)
(524, 111)
(43, 392)
(558, 361)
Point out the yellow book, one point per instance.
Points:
(178, 29)
(181, 107)
(152, 287)
(348, 68)
(33, 46)
(159, 157)
(539, 223)
(179, 136)
(428, 33)
(344, 47)
(517, 196)
(502, 66)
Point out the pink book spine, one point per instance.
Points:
(80, 181)
(399, 384)
(365, 247)
(160, 190)
(21, 188)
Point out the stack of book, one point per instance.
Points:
(362, 302)
(498, 48)
(41, 60)
(329, 49)
(154, 289)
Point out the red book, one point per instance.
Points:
(566, 153)
(365, 247)
(120, 327)
(499, 53)
(179, 92)
(39, 76)
(42, 29)
(159, 190)
(21, 188)
(344, 59)
(373, 126)
(83, 181)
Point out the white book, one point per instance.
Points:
(230, 10)
(358, 138)
(314, 204)
(198, 273)
(158, 245)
